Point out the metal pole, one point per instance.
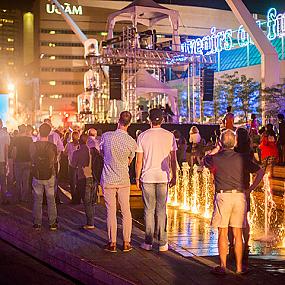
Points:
(188, 95)
(193, 93)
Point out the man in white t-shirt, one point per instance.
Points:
(155, 164)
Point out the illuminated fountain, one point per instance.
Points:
(208, 194)
(185, 205)
(193, 191)
(173, 192)
(194, 194)
(268, 207)
(195, 201)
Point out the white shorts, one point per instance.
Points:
(229, 210)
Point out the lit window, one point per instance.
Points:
(55, 96)
(103, 33)
(1, 24)
(52, 32)
(10, 49)
(52, 82)
(10, 40)
(4, 11)
(51, 45)
(52, 57)
(10, 63)
(7, 21)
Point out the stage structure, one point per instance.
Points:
(136, 58)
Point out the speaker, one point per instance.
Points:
(115, 82)
(207, 84)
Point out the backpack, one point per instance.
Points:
(97, 164)
(43, 164)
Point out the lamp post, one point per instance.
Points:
(14, 94)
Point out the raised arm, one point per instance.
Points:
(139, 163)
(173, 164)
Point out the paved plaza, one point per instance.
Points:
(80, 253)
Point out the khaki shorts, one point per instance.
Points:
(229, 210)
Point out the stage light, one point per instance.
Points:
(11, 87)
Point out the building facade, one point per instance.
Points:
(61, 65)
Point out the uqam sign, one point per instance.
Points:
(68, 8)
(223, 40)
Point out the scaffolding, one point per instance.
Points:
(132, 58)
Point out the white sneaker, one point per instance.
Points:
(146, 246)
(163, 247)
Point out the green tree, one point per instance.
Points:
(238, 91)
(274, 99)
(248, 93)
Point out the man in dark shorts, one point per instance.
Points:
(230, 171)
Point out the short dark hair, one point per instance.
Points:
(44, 130)
(280, 117)
(22, 128)
(229, 108)
(125, 118)
(83, 139)
(156, 116)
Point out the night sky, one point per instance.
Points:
(255, 6)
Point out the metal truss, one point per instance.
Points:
(149, 58)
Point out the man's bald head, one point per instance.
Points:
(228, 139)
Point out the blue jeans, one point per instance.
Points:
(155, 198)
(87, 192)
(22, 176)
(39, 187)
(3, 182)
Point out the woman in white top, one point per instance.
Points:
(194, 140)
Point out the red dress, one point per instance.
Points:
(268, 147)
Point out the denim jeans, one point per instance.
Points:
(22, 176)
(39, 187)
(155, 198)
(86, 189)
(72, 181)
(3, 182)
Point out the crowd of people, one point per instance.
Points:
(31, 164)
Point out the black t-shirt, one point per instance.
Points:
(231, 169)
(22, 145)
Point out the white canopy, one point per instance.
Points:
(146, 12)
(148, 87)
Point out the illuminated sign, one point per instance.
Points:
(69, 9)
(223, 40)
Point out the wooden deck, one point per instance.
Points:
(79, 253)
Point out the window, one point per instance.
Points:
(67, 82)
(55, 96)
(62, 69)
(72, 57)
(58, 44)
(58, 96)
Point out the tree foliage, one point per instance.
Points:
(274, 100)
(240, 92)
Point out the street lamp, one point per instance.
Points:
(13, 94)
(11, 87)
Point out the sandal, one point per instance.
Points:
(218, 270)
